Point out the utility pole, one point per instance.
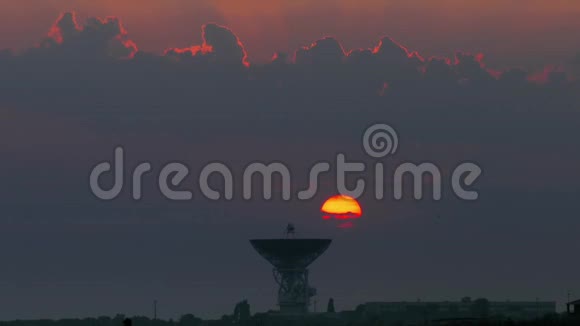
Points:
(154, 309)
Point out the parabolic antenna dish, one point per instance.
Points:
(291, 253)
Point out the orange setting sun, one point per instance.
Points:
(341, 207)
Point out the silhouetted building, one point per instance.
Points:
(422, 311)
(573, 307)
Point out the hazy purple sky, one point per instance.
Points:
(67, 100)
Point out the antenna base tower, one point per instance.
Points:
(294, 291)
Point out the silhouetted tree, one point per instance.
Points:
(189, 320)
(119, 319)
(480, 308)
(226, 320)
(242, 311)
(330, 307)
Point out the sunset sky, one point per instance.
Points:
(71, 91)
(525, 33)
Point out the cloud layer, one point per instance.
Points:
(100, 39)
(97, 38)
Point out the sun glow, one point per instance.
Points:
(341, 207)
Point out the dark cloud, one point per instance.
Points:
(82, 63)
(220, 46)
(227, 47)
(389, 62)
(360, 56)
(97, 38)
(439, 70)
(471, 67)
(390, 52)
(514, 76)
(322, 75)
(324, 51)
(280, 58)
(550, 75)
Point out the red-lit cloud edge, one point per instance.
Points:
(221, 46)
